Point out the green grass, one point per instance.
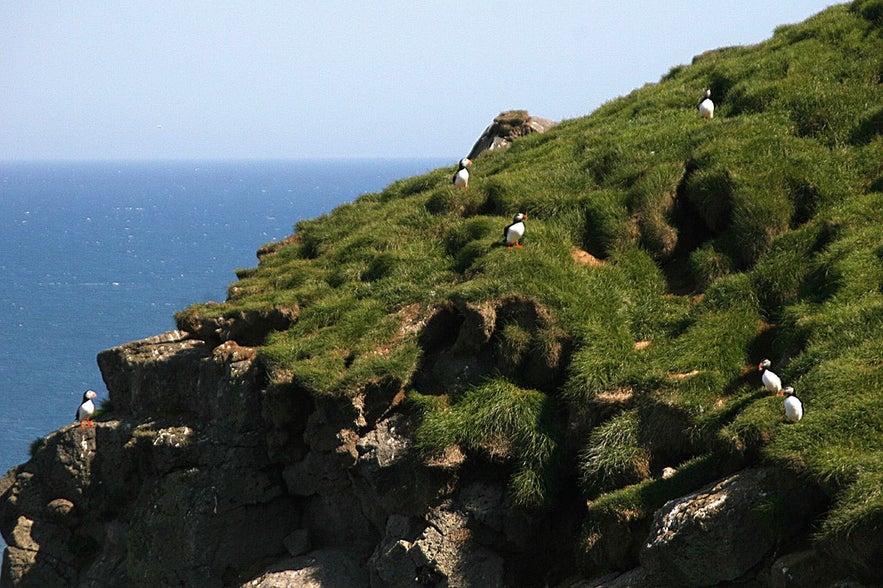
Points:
(613, 456)
(755, 234)
(503, 423)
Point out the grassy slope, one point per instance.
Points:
(755, 234)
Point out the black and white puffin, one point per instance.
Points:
(770, 380)
(461, 177)
(706, 107)
(513, 233)
(793, 406)
(86, 409)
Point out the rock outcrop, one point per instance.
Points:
(209, 476)
(507, 127)
(744, 517)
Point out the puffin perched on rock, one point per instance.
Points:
(513, 233)
(86, 409)
(461, 177)
(771, 381)
(793, 406)
(706, 107)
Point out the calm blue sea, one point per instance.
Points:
(93, 255)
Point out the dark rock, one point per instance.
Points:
(447, 547)
(172, 494)
(154, 376)
(298, 542)
(323, 568)
(721, 532)
(245, 327)
(61, 511)
(636, 578)
(809, 567)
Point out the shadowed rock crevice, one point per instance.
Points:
(465, 343)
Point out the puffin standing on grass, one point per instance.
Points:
(461, 177)
(793, 406)
(771, 381)
(86, 409)
(706, 107)
(514, 231)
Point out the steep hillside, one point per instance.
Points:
(718, 243)
(606, 367)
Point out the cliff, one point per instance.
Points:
(393, 397)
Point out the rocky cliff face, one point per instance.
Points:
(206, 475)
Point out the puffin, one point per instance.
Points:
(706, 107)
(86, 409)
(461, 177)
(771, 381)
(793, 406)
(514, 231)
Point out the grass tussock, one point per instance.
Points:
(499, 422)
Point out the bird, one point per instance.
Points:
(771, 381)
(513, 232)
(706, 107)
(793, 406)
(86, 409)
(461, 177)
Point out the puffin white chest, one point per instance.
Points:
(515, 232)
(86, 410)
(771, 381)
(461, 178)
(793, 409)
(706, 108)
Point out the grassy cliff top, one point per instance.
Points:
(665, 256)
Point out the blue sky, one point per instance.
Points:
(333, 79)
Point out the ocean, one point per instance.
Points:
(96, 254)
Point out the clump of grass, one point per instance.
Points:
(608, 225)
(499, 421)
(613, 457)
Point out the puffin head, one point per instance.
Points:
(465, 162)
(708, 93)
(519, 217)
(788, 391)
(89, 395)
(763, 365)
